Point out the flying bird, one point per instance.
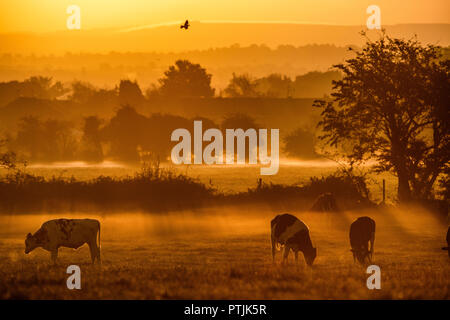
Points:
(185, 25)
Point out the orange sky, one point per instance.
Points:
(50, 15)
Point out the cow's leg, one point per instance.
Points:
(286, 254)
(296, 257)
(274, 249)
(54, 255)
(366, 253)
(354, 255)
(98, 255)
(94, 251)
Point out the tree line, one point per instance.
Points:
(129, 136)
(390, 105)
(184, 79)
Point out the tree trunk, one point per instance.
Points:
(404, 190)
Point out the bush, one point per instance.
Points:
(151, 188)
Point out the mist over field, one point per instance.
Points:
(224, 253)
(123, 133)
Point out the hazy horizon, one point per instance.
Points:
(208, 36)
(49, 15)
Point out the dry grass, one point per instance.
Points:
(224, 256)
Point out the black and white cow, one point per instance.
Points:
(362, 231)
(448, 242)
(71, 233)
(291, 233)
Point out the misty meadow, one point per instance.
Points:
(363, 131)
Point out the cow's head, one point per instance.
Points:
(361, 254)
(310, 256)
(31, 243)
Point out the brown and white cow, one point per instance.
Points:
(448, 242)
(291, 233)
(71, 233)
(362, 231)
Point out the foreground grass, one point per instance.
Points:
(190, 263)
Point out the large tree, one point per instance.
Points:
(49, 140)
(91, 139)
(186, 79)
(392, 105)
(125, 134)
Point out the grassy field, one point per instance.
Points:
(225, 254)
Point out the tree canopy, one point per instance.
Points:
(392, 106)
(186, 79)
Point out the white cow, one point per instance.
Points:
(71, 233)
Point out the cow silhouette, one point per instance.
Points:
(290, 233)
(362, 231)
(70, 233)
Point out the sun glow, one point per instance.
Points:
(50, 15)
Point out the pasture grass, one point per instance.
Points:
(226, 255)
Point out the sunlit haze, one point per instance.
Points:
(50, 15)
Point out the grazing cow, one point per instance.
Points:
(362, 231)
(326, 202)
(448, 242)
(71, 233)
(291, 233)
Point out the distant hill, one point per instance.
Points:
(207, 35)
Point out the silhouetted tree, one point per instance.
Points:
(42, 88)
(8, 159)
(91, 140)
(58, 142)
(30, 137)
(186, 79)
(152, 91)
(125, 133)
(300, 144)
(103, 101)
(50, 140)
(9, 91)
(314, 84)
(392, 106)
(241, 86)
(82, 92)
(33, 87)
(130, 93)
(275, 86)
(157, 133)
